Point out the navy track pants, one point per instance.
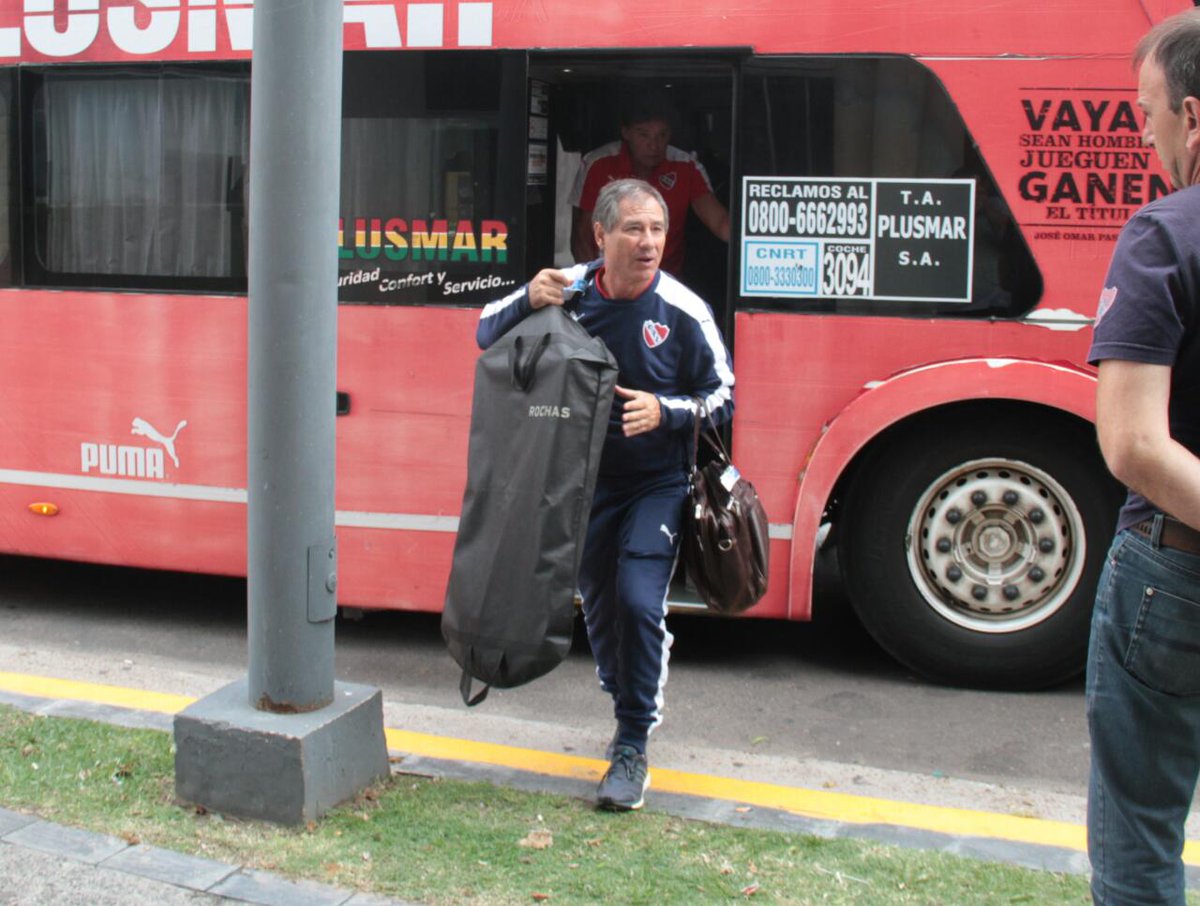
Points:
(632, 544)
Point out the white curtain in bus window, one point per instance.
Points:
(143, 176)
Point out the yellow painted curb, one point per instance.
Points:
(138, 699)
(820, 804)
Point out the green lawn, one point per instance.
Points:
(442, 841)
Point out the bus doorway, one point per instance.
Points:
(576, 106)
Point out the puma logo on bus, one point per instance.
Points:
(145, 429)
(129, 461)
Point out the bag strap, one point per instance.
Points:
(701, 413)
(572, 303)
(711, 435)
(524, 361)
(464, 686)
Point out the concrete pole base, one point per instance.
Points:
(284, 768)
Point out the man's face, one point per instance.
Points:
(1175, 136)
(647, 143)
(633, 248)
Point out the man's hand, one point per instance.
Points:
(547, 288)
(641, 411)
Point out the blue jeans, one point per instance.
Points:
(1143, 709)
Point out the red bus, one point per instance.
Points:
(924, 199)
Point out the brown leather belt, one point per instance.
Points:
(1175, 535)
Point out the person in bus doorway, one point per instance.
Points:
(1143, 676)
(644, 152)
(668, 351)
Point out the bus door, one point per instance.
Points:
(575, 107)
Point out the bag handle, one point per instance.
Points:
(493, 666)
(710, 432)
(524, 361)
(464, 686)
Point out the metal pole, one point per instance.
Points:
(295, 153)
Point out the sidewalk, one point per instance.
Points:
(43, 863)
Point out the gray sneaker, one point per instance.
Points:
(624, 785)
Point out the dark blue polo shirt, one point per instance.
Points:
(1149, 312)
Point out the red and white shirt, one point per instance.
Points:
(680, 178)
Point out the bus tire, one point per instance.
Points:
(971, 550)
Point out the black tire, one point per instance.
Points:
(971, 547)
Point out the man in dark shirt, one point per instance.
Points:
(1143, 684)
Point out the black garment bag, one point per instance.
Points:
(543, 392)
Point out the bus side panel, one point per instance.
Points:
(409, 372)
(107, 391)
(807, 369)
(128, 412)
(402, 450)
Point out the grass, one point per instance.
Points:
(441, 841)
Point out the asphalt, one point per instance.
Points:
(46, 863)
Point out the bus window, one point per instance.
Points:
(433, 156)
(875, 128)
(138, 178)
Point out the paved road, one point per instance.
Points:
(812, 705)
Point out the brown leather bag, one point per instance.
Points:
(725, 543)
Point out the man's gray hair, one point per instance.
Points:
(608, 203)
(1174, 44)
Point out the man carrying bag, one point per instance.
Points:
(669, 350)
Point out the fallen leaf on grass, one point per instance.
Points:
(537, 839)
(131, 838)
(540, 896)
(750, 890)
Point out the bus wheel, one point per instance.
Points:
(971, 553)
